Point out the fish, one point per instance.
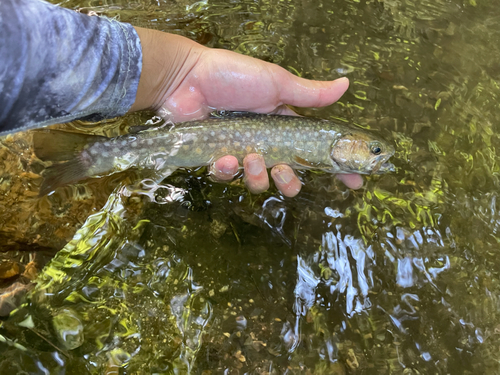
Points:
(301, 142)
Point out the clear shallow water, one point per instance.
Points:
(401, 277)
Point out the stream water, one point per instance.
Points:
(399, 277)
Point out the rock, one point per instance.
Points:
(9, 269)
(11, 297)
(68, 328)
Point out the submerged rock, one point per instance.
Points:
(68, 328)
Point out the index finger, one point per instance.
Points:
(352, 181)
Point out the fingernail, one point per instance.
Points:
(226, 169)
(254, 167)
(284, 176)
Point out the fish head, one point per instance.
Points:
(361, 153)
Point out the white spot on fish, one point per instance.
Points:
(107, 144)
(124, 143)
(105, 154)
(134, 144)
(248, 134)
(212, 133)
(116, 150)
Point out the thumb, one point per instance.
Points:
(302, 92)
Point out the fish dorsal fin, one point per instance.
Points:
(233, 114)
(305, 164)
(153, 124)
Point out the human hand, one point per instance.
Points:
(188, 81)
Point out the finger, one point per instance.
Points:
(301, 92)
(255, 177)
(352, 181)
(286, 180)
(224, 169)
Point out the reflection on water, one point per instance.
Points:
(400, 277)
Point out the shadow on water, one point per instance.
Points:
(400, 277)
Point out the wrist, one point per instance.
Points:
(166, 60)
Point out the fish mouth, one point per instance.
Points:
(386, 167)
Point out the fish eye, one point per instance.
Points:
(376, 148)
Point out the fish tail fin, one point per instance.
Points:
(59, 146)
(62, 175)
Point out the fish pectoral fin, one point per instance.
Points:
(306, 164)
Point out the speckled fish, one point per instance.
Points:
(301, 142)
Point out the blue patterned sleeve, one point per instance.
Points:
(57, 65)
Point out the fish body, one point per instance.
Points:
(301, 142)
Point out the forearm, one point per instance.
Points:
(63, 66)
